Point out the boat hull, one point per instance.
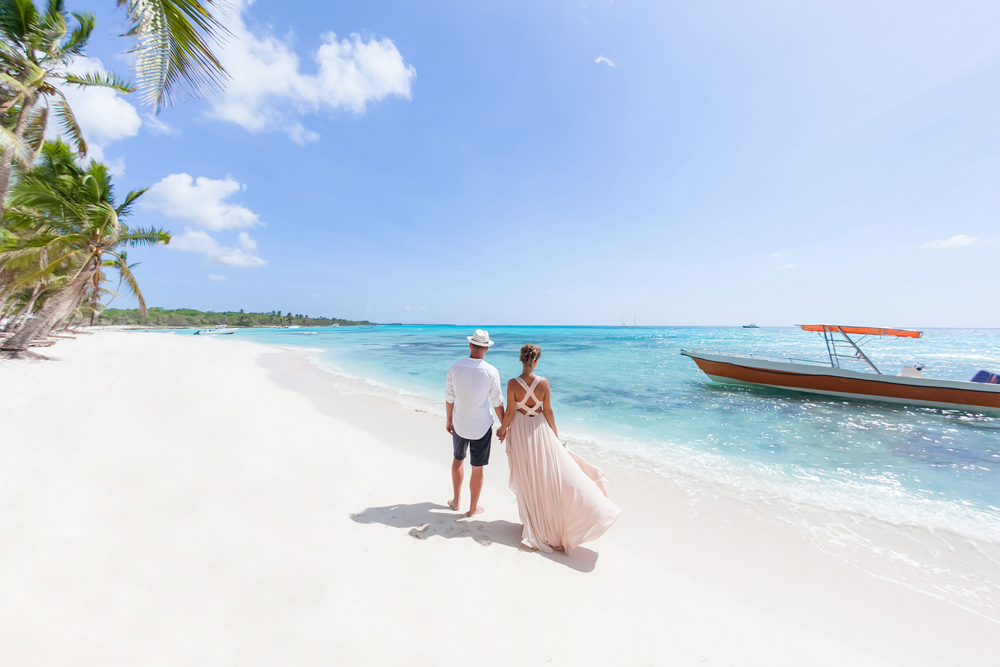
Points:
(843, 383)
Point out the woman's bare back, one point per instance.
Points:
(540, 392)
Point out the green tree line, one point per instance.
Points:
(187, 317)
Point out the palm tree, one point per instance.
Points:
(73, 209)
(35, 49)
(120, 262)
(173, 53)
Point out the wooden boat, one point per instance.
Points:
(909, 387)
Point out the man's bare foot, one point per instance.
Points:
(453, 504)
(479, 510)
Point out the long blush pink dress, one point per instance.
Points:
(561, 498)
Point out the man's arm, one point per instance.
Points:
(496, 397)
(449, 401)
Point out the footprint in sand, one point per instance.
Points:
(482, 539)
(418, 532)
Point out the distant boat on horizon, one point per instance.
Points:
(750, 326)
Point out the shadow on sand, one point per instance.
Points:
(426, 520)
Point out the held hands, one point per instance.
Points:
(501, 433)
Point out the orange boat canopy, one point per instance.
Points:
(864, 331)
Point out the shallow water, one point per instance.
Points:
(909, 494)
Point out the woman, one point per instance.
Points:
(560, 497)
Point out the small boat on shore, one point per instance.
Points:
(221, 330)
(910, 387)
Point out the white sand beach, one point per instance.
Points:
(173, 500)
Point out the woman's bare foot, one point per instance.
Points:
(453, 504)
(479, 510)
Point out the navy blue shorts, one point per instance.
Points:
(480, 448)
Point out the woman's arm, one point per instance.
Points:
(547, 405)
(508, 416)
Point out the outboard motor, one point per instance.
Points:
(987, 377)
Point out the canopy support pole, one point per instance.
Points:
(861, 355)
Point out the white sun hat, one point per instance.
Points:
(480, 338)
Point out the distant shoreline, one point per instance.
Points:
(183, 318)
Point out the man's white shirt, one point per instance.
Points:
(474, 387)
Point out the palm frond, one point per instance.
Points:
(173, 53)
(9, 140)
(18, 18)
(30, 245)
(51, 30)
(132, 287)
(34, 74)
(125, 210)
(104, 215)
(77, 40)
(68, 121)
(102, 79)
(144, 237)
(47, 269)
(40, 201)
(34, 135)
(6, 79)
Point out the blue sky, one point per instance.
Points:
(702, 163)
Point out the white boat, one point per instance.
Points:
(221, 330)
(294, 326)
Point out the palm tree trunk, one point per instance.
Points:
(22, 317)
(54, 310)
(68, 312)
(5, 305)
(7, 158)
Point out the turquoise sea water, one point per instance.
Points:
(918, 488)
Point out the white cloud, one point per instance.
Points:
(267, 90)
(200, 202)
(213, 276)
(602, 59)
(956, 241)
(242, 255)
(786, 266)
(115, 166)
(157, 126)
(301, 135)
(102, 114)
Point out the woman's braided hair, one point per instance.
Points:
(530, 354)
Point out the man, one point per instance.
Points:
(473, 386)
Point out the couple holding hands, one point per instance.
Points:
(561, 499)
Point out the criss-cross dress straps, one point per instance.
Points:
(521, 405)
